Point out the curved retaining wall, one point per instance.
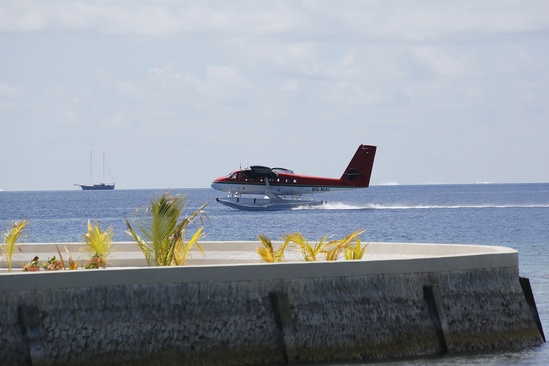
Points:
(441, 298)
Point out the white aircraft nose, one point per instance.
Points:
(218, 186)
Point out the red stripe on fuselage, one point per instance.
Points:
(284, 179)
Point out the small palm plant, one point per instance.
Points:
(268, 254)
(11, 237)
(310, 251)
(99, 244)
(159, 234)
(355, 252)
(339, 246)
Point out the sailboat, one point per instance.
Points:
(96, 186)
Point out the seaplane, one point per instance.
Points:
(267, 188)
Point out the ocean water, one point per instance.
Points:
(512, 215)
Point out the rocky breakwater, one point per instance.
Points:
(402, 300)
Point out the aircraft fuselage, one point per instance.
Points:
(277, 183)
(283, 184)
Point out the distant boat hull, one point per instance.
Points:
(96, 187)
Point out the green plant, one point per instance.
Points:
(53, 264)
(72, 263)
(355, 252)
(32, 266)
(310, 251)
(339, 246)
(267, 253)
(11, 237)
(60, 257)
(96, 261)
(159, 234)
(99, 243)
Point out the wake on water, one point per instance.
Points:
(334, 206)
(373, 206)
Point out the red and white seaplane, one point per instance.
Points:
(280, 188)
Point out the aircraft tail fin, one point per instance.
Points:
(359, 170)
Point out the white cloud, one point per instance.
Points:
(445, 62)
(350, 57)
(218, 81)
(225, 75)
(131, 89)
(290, 86)
(9, 91)
(142, 17)
(397, 20)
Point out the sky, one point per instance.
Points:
(178, 93)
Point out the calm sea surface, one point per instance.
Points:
(513, 215)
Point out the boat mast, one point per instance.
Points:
(91, 164)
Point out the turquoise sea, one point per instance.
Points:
(512, 215)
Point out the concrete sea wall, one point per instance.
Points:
(402, 300)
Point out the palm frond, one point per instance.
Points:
(146, 246)
(182, 250)
(309, 251)
(355, 252)
(334, 247)
(72, 263)
(279, 253)
(60, 257)
(11, 237)
(338, 246)
(267, 252)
